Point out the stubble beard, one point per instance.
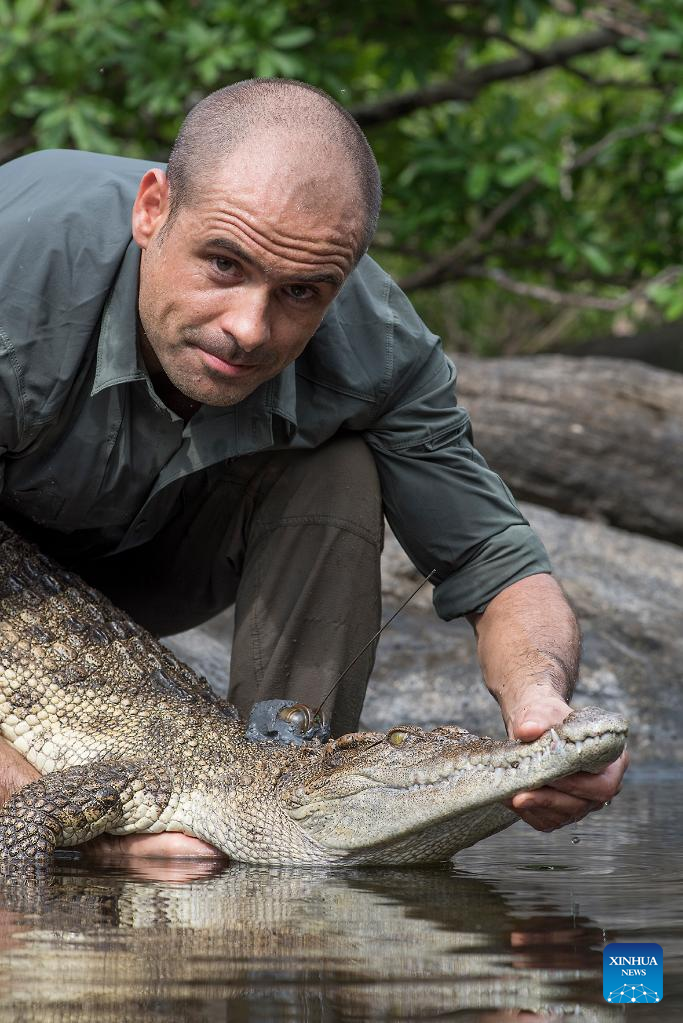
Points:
(174, 363)
(209, 387)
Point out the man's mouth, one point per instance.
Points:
(227, 365)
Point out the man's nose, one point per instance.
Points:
(247, 318)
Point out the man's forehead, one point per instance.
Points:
(283, 216)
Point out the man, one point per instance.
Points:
(218, 409)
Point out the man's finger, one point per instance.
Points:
(541, 820)
(546, 809)
(527, 721)
(546, 820)
(566, 806)
(596, 787)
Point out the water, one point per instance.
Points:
(513, 930)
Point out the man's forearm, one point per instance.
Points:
(528, 643)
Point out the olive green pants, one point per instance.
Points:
(293, 540)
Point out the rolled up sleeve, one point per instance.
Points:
(448, 509)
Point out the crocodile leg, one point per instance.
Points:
(72, 806)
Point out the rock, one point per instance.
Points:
(598, 438)
(659, 344)
(626, 591)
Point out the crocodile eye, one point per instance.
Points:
(297, 717)
(396, 737)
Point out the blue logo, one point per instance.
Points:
(633, 972)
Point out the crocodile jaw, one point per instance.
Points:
(385, 812)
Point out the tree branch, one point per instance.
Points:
(450, 264)
(625, 18)
(465, 87)
(618, 135)
(575, 300)
(453, 264)
(625, 84)
(559, 274)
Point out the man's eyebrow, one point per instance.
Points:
(336, 280)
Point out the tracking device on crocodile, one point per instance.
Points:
(295, 724)
(286, 722)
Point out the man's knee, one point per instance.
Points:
(335, 483)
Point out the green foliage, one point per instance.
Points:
(119, 75)
(584, 156)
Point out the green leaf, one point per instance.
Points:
(265, 64)
(293, 38)
(673, 308)
(673, 135)
(25, 11)
(669, 297)
(516, 173)
(596, 258)
(674, 176)
(285, 65)
(478, 180)
(549, 175)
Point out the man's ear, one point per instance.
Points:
(150, 210)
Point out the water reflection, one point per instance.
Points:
(489, 939)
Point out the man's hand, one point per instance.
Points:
(569, 799)
(15, 772)
(528, 645)
(167, 845)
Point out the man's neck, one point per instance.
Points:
(173, 398)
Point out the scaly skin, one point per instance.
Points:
(130, 740)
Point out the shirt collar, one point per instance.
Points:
(117, 351)
(274, 397)
(281, 395)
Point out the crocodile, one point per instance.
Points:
(128, 739)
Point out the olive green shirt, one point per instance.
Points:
(92, 457)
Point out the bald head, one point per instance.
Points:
(301, 127)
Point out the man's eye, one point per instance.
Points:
(300, 292)
(224, 264)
